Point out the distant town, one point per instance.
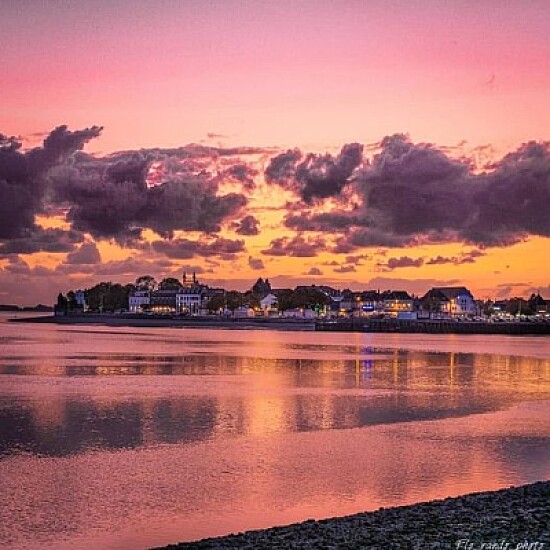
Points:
(190, 297)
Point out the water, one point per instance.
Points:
(130, 438)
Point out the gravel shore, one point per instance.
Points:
(510, 519)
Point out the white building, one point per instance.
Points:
(138, 300)
(80, 299)
(189, 301)
(243, 312)
(269, 303)
(453, 301)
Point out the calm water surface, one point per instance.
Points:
(129, 438)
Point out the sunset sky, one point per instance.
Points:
(372, 144)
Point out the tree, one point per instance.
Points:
(215, 303)
(61, 302)
(487, 307)
(251, 299)
(518, 306)
(309, 298)
(233, 299)
(170, 283)
(71, 300)
(285, 299)
(146, 282)
(261, 288)
(107, 296)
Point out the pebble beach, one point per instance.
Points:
(517, 518)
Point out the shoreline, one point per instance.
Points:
(517, 518)
(172, 322)
(293, 324)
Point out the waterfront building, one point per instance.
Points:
(299, 313)
(393, 302)
(538, 305)
(163, 301)
(190, 300)
(139, 301)
(370, 302)
(244, 312)
(269, 304)
(80, 299)
(450, 301)
(193, 297)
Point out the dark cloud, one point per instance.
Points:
(185, 248)
(213, 135)
(403, 261)
(368, 237)
(189, 204)
(464, 258)
(335, 221)
(441, 260)
(87, 254)
(313, 271)
(249, 225)
(110, 198)
(316, 176)
(515, 198)
(356, 260)
(345, 269)
(297, 246)
(416, 286)
(38, 239)
(23, 176)
(413, 194)
(255, 263)
(242, 173)
(98, 204)
(119, 195)
(282, 168)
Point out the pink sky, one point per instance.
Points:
(280, 73)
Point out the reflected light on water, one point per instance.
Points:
(134, 438)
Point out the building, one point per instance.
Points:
(269, 304)
(80, 299)
(163, 301)
(191, 300)
(452, 301)
(370, 302)
(538, 305)
(243, 312)
(299, 313)
(139, 301)
(193, 297)
(394, 302)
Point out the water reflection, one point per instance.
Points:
(121, 439)
(59, 411)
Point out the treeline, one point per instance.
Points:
(12, 307)
(111, 297)
(105, 296)
(309, 298)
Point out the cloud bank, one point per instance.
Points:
(414, 193)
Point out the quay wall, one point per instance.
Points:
(432, 326)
